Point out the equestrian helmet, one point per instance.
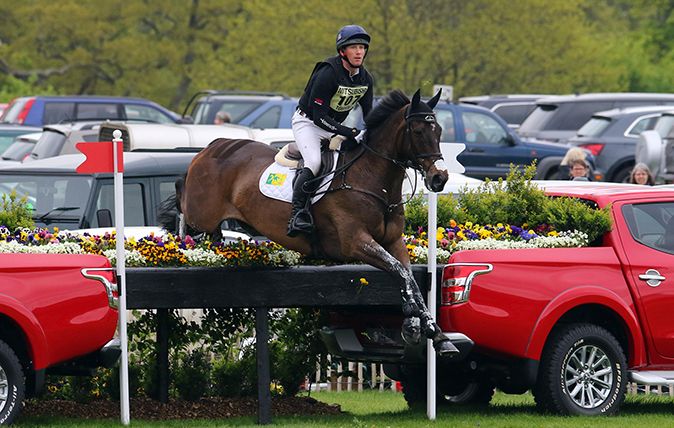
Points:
(352, 35)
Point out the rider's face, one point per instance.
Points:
(355, 54)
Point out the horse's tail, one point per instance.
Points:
(169, 213)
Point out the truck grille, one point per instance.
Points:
(105, 134)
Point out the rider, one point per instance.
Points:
(335, 86)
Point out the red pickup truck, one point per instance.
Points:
(574, 325)
(58, 313)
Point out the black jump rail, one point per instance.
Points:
(260, 288)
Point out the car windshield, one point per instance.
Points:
(49, 144)
(18, 151)
(56, 200)
(538, 118)
(594, 127)
(11, 114)
(664, 125)
(204, 111)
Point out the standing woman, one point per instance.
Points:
(641, 174)
(336, 85)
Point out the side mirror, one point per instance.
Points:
(186, 120)
(509, 140)
(649, 150)
(104, 218)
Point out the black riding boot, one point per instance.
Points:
(301, 220)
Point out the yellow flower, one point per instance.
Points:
(440, 234)
(363, 281)
(553, 233)
(469, 224)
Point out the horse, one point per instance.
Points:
(361, 216)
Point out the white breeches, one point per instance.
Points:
(308, 138)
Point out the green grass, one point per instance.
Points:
(374, 409)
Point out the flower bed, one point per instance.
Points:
(170, 250)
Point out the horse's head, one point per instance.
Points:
(422, 136)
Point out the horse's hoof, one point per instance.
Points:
(445, 348)
(411, 331)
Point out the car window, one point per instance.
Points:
(49, 144)
(18, 150)
(664, 125)
(514, 113)
(594, 127)
(205, 112)
(11, 114)
(98, 111)
(58, 112)
(640, 125)
(167, 189)
(446, 120)
(47, 193)
(269, 119)
(538, 118)
(147, 113)
(652, 224)
(482, 129)
(134, 213)
(571, 116)
(7, 138)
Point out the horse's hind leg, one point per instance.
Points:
(413, 302)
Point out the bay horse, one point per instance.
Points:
(360, 218)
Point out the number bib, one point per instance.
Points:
(346, 97)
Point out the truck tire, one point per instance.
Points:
(462, 392)
(623, 174)
(582, 372)
(12, 385)
(548, 169)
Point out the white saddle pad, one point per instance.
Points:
(276, 182)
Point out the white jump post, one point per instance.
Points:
(449, 153)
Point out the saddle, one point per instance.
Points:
(290, 156)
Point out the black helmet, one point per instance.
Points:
(352, 35)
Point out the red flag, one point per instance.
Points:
(99, 157)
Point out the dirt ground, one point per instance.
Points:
(207, 408)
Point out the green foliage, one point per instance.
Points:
(573, 214)
(192, 375)
(165, 51)
(237, 377)
(516, 201)
(15, 212)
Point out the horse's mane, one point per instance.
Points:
(389, 104)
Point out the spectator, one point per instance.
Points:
(641, 174)
(564, 168)
(578, 170)
(222, 117)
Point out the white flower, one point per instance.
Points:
(131, 258)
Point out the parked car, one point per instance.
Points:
(9, 132)
(573, 325)
(152, 136)
(253, 109)
(62, 198)
(557, 118)
(21, 148)
(45, 110)
(491, 147)
(512, 108)
(56, 319)
(61, 139)
(655, 148)
(612, 137)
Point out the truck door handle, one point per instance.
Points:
(652, 277)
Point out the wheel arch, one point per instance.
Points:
(598, 306)
(547, 166)
(24, 330)
(619, 166)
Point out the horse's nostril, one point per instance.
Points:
(438, 182)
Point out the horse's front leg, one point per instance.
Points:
(413, 302)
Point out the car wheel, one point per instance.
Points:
(582, 372)
(460, 392)
(12, 385)
(623, 174)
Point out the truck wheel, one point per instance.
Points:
(623, 175)
(461, 391)
(582, 372)
(12, 385)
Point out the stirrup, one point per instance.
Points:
(301, 222)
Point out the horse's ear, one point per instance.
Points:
(434, 101)
(416, 98)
